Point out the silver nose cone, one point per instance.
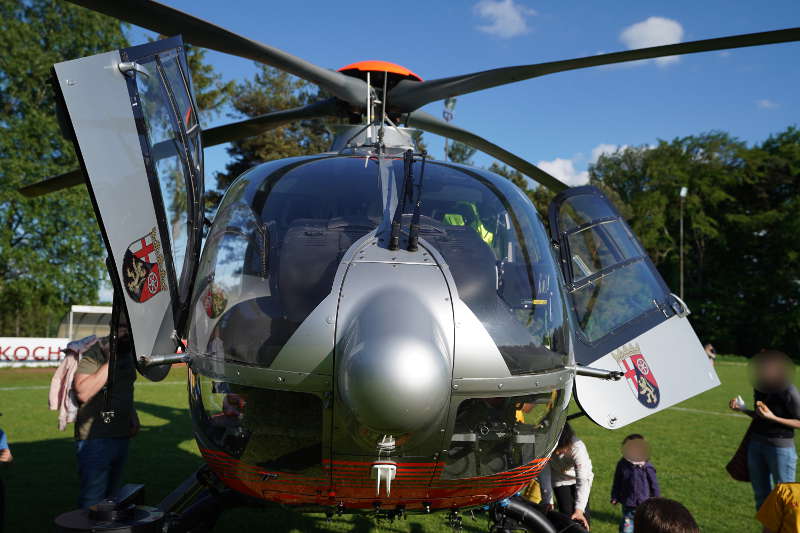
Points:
(395, 372)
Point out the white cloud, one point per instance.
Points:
(654, 31)
(602, 149)
(505, 18)
(564, 169)
(766, 103)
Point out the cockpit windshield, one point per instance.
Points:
(496, 248)
(274, 248)
(283, 228)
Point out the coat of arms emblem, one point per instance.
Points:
(143, 270)
(638, 374)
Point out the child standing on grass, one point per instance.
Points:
(634, 480)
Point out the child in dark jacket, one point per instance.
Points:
(635, 479)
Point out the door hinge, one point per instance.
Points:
(679, 306)
(130, 68)
(601, 373)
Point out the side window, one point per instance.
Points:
(580, 210)
(609, 277)
(176, 74)
(160, 85)
(589, 254)
(597, 247)
(614, 299)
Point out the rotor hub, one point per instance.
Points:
(377, 70)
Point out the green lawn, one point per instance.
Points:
(691, 445)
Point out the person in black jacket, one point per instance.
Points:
(771, 454)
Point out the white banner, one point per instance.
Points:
(31, 351)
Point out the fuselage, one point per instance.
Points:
(331, 370)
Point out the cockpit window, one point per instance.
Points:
(272, 254)
(284, 227)
(497, 250)
(493, 435)
(610, 282)
(170, 164)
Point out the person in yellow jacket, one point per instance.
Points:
(780, 512)
(538, 490)
(467, 215)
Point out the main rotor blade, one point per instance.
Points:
(169, 21)
(210, 137)
(424, 121)
(57, 183)
(410, 95)
(256, 125)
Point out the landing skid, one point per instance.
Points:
(197, 503)
(193, 507)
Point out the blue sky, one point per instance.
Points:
(561, 121)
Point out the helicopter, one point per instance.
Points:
(366, 329)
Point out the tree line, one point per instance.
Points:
(741, 214)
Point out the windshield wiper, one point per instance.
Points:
(394, 239)
(408, 196)
(413, 232)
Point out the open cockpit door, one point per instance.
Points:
(136, 132)
(624, 315)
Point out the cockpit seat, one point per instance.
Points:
(474, 268)
(310, 254)
(307, 266)
(472, 264)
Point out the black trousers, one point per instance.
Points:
(565, 500)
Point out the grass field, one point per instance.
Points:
(691, 444)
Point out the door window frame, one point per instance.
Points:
(181, 282)
(586, 351)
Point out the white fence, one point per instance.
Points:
(31, 351)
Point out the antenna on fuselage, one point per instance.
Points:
(383, 108)
(369, 109)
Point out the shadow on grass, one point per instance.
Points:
(43, 481)
(606, 517)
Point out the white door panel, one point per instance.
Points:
(624, 316)
(674, 359)
(135, 199)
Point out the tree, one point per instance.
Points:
(51, 253)
(540, 196)
(761, 260)
(210, 92)
(419, 141)
(460, 153)
(741, 251)
(272, 90)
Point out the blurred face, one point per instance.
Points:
(771, 372)
(636, 450)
